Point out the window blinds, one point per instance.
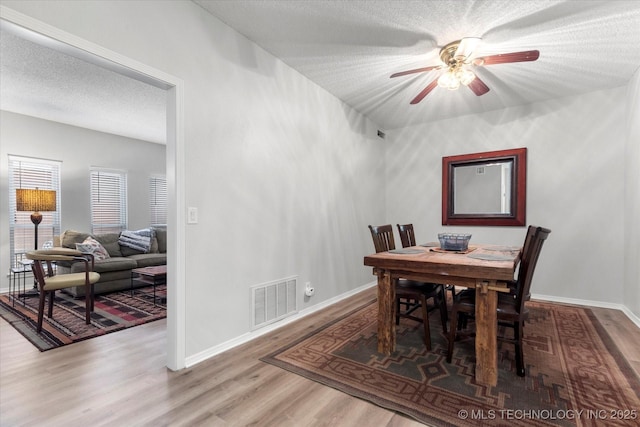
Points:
(108, 201)
(158, 200)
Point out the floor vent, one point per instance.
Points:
(273, 301)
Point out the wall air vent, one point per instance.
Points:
(273, 301)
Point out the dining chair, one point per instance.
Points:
(408, 239)
(463, 318)
(49, 283)
(411, 294)
(511, 310)
(407, 235)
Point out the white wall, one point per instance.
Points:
(632, 198)
(575, 186)
(77, 149)
(285, 176)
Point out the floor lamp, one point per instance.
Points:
(35, 201)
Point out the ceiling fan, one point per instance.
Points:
(456, 58)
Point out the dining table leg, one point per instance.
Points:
(486, 332)
(386, 314)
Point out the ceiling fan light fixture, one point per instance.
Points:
(465, 76)
(456, 60)
(455, 76)
(449, 80)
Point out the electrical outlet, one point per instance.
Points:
(308, 289)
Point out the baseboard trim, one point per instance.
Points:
(589, 303)
(204, 355)
(242, 339)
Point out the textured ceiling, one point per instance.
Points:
(350, 48)
(40, 81)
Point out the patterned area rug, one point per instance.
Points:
(112, 312)
(574, 373)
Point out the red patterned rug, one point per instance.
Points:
(112, 312)
(575, 375)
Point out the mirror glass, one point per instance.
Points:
(484, 188)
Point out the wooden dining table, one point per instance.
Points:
(486, 268)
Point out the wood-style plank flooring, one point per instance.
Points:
(120, 379)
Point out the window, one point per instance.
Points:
(30, 173)
(158, 200)
(108, 201)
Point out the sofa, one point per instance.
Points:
(114, 261)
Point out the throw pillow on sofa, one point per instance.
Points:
(92, 246)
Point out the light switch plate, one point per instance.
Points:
(192, 215)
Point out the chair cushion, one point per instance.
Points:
(405, 283)
(106, 265)
(148, 260)
(410, 286)
(507, 307)
(465, 301)
(69, 280)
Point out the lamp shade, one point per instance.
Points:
(30, 200)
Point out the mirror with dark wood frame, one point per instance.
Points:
(485, 188)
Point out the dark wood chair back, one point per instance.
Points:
(39, 273)
(407, 236)
(531, 231)
(530, 253)
(382, 237)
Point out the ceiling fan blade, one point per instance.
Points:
(467, 46)
(478, 87)
(425, 92)
(417, 70)
(527, 55)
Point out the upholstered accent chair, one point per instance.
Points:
(49, 283)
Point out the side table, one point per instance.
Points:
(18, 277)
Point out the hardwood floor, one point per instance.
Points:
(121, 379)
